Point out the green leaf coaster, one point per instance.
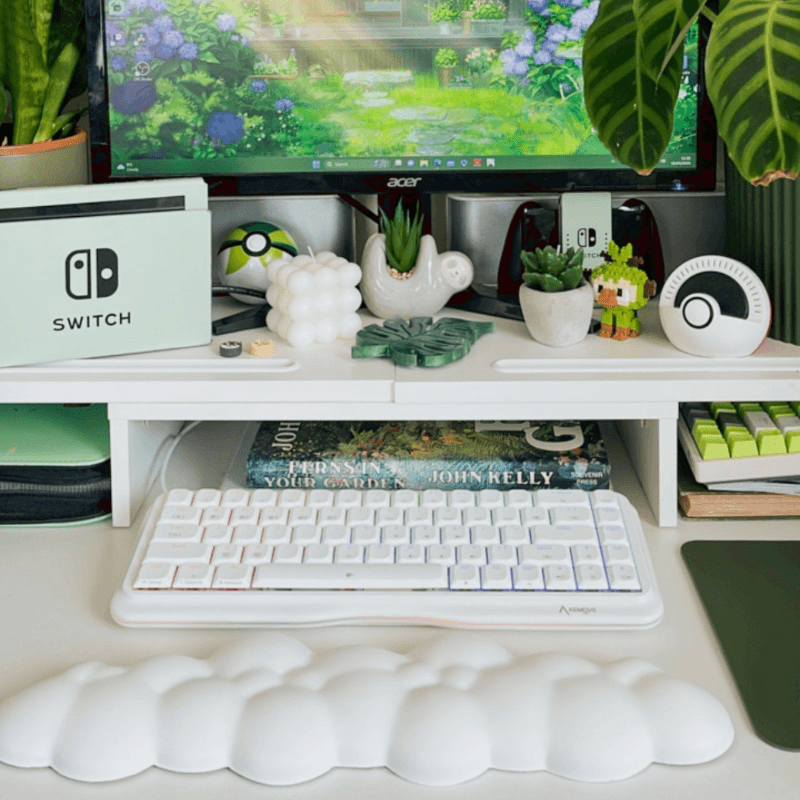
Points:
(419, 341)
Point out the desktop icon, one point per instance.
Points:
(464, 162)
(490, 162)
(451, 162)
(411, 162)
(477, 162)
(423, 162)
(437, 162)
(316, 164)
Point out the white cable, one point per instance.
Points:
(181, 433)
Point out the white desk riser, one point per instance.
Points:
(57, 582)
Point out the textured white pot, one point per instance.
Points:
(424, 291)
(557, 319)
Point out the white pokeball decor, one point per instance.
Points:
(714, 306)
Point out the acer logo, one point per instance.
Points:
(403, 183)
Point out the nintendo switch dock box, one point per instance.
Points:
(104, 270)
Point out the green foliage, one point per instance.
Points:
(41, 65)
(632, 59)
(445, 11)
(402, 237)
(631, 107)
(445, 57)
(488, 9)
(550, 270)
(419, 341)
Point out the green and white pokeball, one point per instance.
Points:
(245, 253)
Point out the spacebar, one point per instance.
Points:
(350, 576)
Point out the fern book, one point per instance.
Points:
(428, 455)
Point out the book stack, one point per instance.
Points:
(429, 455)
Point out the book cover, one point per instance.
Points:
(429, 455)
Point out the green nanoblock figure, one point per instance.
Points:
(621, 289)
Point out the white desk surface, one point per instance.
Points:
(55, 586)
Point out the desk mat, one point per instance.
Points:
(751, 592)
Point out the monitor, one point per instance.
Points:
(365, 96)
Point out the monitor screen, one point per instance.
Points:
(286, 96)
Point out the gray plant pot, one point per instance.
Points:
(557, 319)
(62, 162)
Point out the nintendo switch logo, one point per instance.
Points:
(587, 237)
(92, 273)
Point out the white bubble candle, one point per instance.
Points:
(313, 298)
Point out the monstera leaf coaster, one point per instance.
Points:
(419, 341)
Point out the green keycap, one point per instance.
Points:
(792, 442)
(716, 407)
(741, 443)
(712, 447)
(771, 443)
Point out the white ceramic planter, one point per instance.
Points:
(557, 319)
(435, 278)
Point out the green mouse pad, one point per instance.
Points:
(751, 592)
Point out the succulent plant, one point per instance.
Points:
(550, 270)
(402, 238)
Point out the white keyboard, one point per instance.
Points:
(484, 558)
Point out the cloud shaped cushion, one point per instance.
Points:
(278, 713)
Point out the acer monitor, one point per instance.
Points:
(271, 97)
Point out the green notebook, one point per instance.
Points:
(751, 592)
(54, 463)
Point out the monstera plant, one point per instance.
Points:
(632, 63)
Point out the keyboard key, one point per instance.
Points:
(177, 532)
(496, 577)
(350, 576)
(318, 554)
(563, 533)
(528, 577)
(591, 577)
(178, 552)
(559, 577)
(180, 497)
(193, 576)
(155, 575)
(233, 576)
(623, 576)
(233, 498)
(465, 577)
(189, 514)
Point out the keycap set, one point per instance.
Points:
(548, 540)
(738, 430)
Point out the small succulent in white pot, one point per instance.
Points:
(555, 298)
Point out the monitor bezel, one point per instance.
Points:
(700, 178)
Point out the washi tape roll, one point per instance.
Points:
(230, 349)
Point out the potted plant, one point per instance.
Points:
(752, 65)
(277, 20)
(488, 17)
(41, 70)
(555, 298)
(445, 60)
(402, 273)
(445, 15)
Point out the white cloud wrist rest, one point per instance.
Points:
(277, 713)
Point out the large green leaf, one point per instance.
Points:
(661, 23)
(631, 109)
(753, 74)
